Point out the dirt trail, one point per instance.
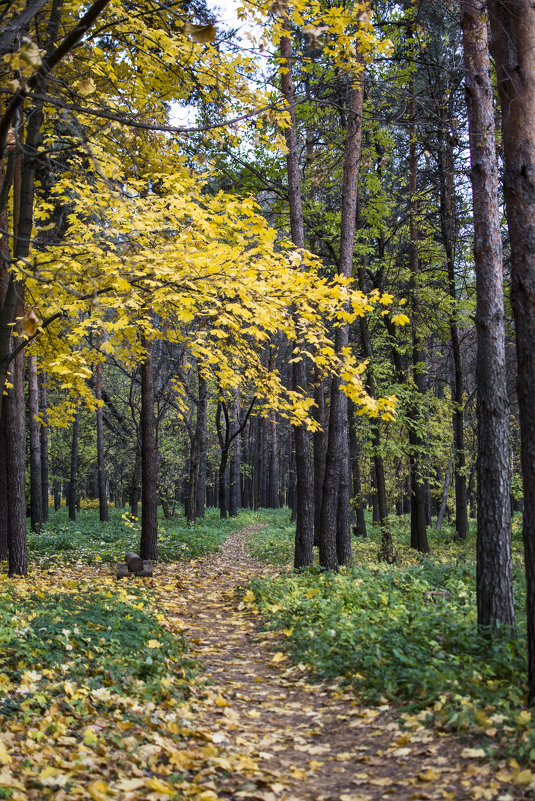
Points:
(277, 736)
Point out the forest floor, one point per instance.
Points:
(279, 737)
(168, 688)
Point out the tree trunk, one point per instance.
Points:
(235, 467)
(73, 480)
(36, 500)
(201, 434)
(274, 465)
(15, 459)
(360, 525)
(446, 168)
(335, 535)
(320, 449)
(304, 528)
(418, 527)
(3, 494)
(494, 570)
(44, 447)
(148, 548)
(101, 468)
(444, 501)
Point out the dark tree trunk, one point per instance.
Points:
(44, 448)
(201, 434)
(444, 501)
(101, 468)
(360, 524)
(36, 499)
(274, 465)
(304, 528)
(3, 495)
(335, 534)
(418, 527)
(134, 486)
(148, 548)
(494, 569)
(446, 168)
(320, 449)
(15, 459)
(73, 480)
(235, 467)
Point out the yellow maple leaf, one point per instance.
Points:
(98, 790)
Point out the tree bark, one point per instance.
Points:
(148, 548)
(73, 480)
(274, 466)
(304, 528)
(15, 459)
(101, 468)
(201, 433)
(44, 447)
(36, 499)
(335, 535)
(418, 527)
(494, 569)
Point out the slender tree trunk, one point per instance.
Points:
(73, 480)
(418, 527)
(3, 495)
(101, 468)
(36, 500)
(446, 168)
(360, 526)
(235, 466)
(494, 569)
(44, 447)
(304, 529)
(320, 450)
(15, 459)
(335, 535)
(148, 548)
(274, 465)
(202, 433)
(444, 501)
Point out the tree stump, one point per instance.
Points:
(124, 570)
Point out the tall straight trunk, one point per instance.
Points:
(380, 509)
(15, 459)
(73, 479)
(134, 486)
(201, 432)
(36, 499)
(360, 524)
(235, 466)
(44, 446)
(418, 526)
(304, 528)
(190, 499)
(446, 168)
(444, 501)
(148, 548)
(3, 495)
(263, 467)
(274, 465)
(335, 535)
(101, 468)
(320, 450)
(495, 600)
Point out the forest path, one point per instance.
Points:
(273, 736)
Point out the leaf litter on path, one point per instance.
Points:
(251, 726)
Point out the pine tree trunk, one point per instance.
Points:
(304, 528)
(418, 527)
(16, 474)
(335, 534)
(36, 500)
(101, 468)
(148, 548)
(360, 526)
(320, 450)
(201, 434)
(73, 480)
(494, 569)
(44, 447)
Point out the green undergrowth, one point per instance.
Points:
(90, 541)
(405, 633)
(64, 642)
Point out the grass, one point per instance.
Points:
(405, 633)
(90, 541)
